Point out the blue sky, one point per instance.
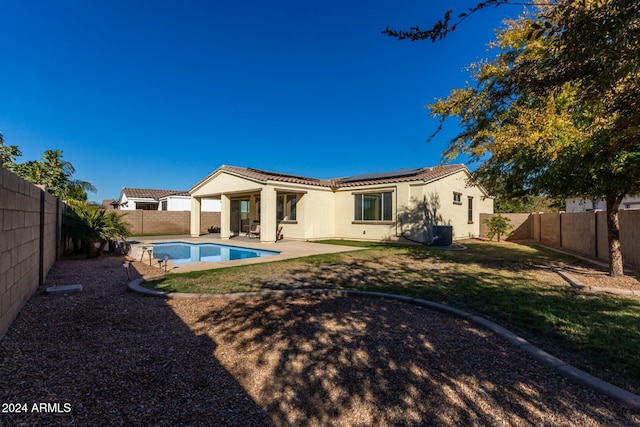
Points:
(158, 94)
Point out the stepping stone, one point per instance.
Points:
(64, 290)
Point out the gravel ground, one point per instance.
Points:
(600, 278)
(117, 358)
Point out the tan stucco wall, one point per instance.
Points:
(227, 184)
(343, 216)
(457, 214)
(315, 218)
(410, 201)
(323, 213)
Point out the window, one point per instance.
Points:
(457, 198)
(470, 210)
(286, 207)
(373, 206)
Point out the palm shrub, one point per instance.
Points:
(120, 229)
(91, 224)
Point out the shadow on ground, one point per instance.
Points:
(116, 358)
(355, 361)
(527, 296)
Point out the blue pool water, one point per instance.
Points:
(185, 253)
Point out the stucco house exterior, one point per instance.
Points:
(383, 206)
(161, 200)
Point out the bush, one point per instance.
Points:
(213, 229)
(498, 225)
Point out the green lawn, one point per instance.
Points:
(507, 283)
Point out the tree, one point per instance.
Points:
(55, 175)
(8, 154)
(505, 204)
(555, 112)
(498, 225)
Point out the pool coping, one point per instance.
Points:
(257, 252)
(288, 249)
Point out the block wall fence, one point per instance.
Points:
(583, 233)
(167, 222)
(30, 242)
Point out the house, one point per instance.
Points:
(160, 200)
(378, 206)
(109, 204)
(577, 204)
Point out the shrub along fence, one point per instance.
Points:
(583, 233)
(30, 242)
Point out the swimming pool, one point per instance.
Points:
(186, 253)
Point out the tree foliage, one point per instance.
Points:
(555, 112)
(498, 225)
(8, 154)
(528, 203)
(445, 25)
(51, 171)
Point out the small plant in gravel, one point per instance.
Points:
(498, 225)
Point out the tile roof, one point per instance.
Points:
(151, 193)
(262, 175)
(109, 204)
(403, 175)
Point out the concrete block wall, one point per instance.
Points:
(579, 232)
(167, 222)
(30, 222)
(208, 220)
(550, 229)
(602, 238)
(630, 236)
(521, 224)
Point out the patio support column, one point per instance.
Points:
(196, 205)
(252, 209)
(225, 217)
(268, 215)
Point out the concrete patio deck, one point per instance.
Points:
(288, 249)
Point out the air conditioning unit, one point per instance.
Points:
(442, 235)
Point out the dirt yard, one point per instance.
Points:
(118, 358)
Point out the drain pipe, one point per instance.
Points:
(402, 234)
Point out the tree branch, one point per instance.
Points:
(444, 26)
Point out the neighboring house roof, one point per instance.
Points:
(404, 175)
(109, 204)
(150, 193)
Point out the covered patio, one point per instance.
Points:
(259, 213)
(252, 204)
